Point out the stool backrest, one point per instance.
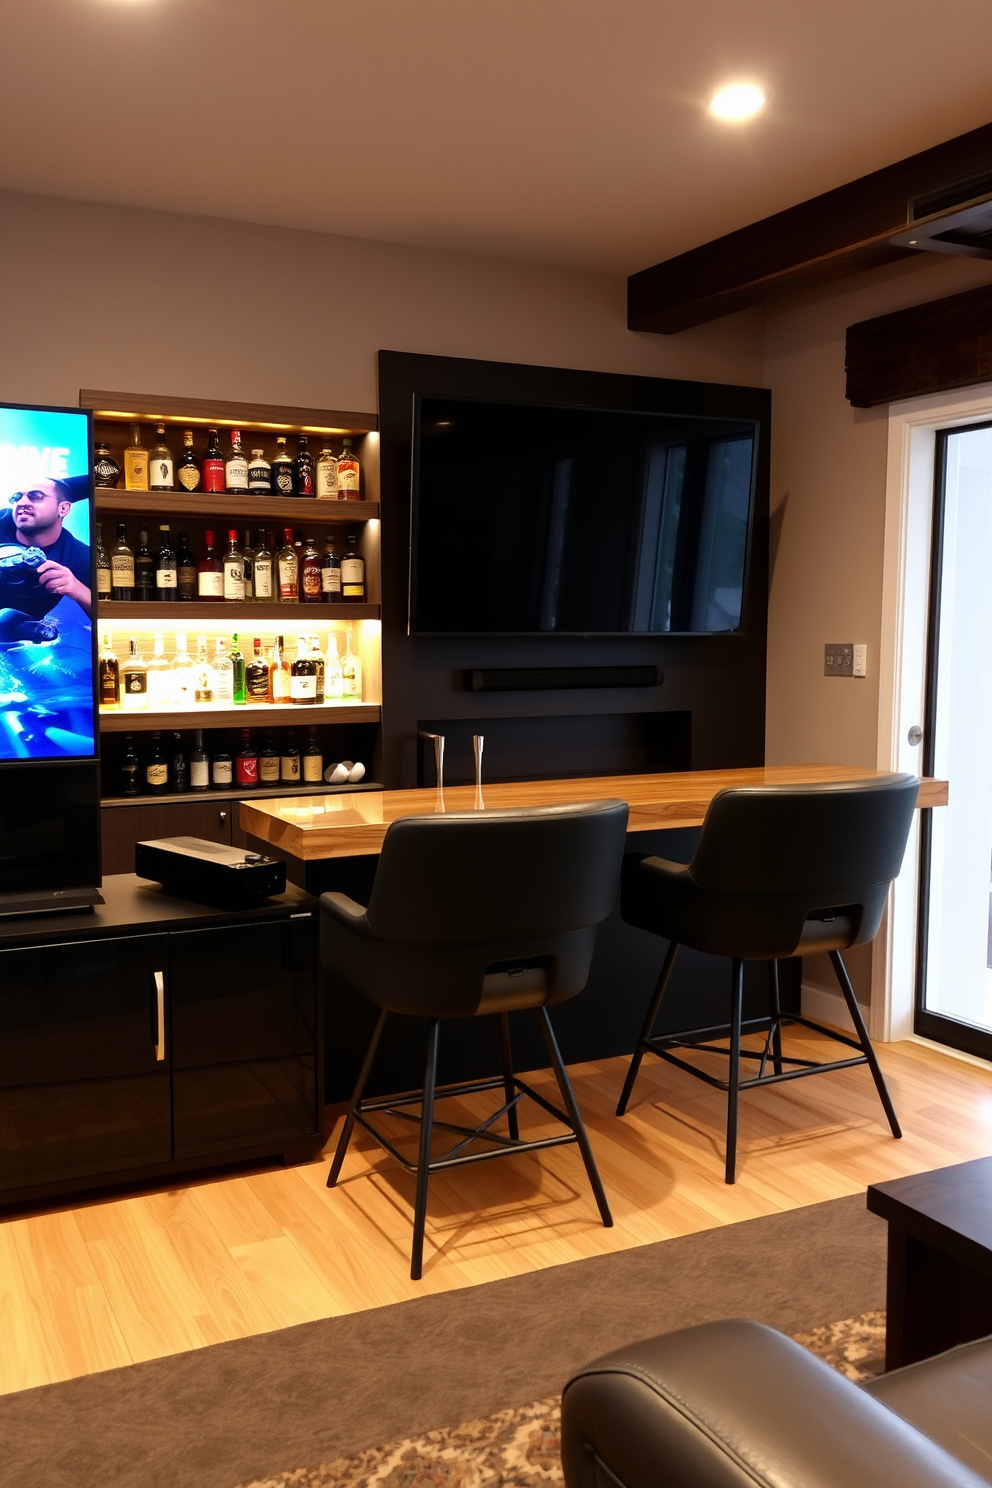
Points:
(482, 875)
(812, 839)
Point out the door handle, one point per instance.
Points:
(222, 816)
(159, 1014)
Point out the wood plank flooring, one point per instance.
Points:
(113, 1282)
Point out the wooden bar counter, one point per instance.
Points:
(313, 828)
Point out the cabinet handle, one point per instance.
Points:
(160, 1014)
(222, 816)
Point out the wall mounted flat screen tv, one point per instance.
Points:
(47, 695)
(528, 519)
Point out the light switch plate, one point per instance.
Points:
(860, 661)
(838, 659)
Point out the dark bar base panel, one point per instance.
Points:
(542, 679)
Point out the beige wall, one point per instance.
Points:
(133, 300)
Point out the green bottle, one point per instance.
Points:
(238, 664)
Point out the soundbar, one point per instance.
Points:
(540, 679)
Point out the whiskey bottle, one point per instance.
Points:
(279, 674)
(136, 462)
(134, 682)
(103, 583)
(186, 583)
(188, 469)
(288, 569)
(203, 674)
(238, 678)
(353, 573)
(262, 569)
(259, 473)
(303, 471)
(178, 765)
(210, 573)
(144, 568)
(236, 471)
(121, 568)
(310, 573)
(330, 574)
(257, 675)
(289, 762)
(156, 768)
(248, 565)
(106, 471)
(183, 682)
(303, 675)
(199, 765)
(222, 768)
(349, 474)
(234, 570)
(159, 669)
(160, 463)
(268, 762)
(351, 671)
(166, 571)
(246, 763)
(213, 465)
(223, 670)
(282, 469)
(327, 475)
(108, 674)
(130, 768)
(312, 760)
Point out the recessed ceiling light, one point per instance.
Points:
(737, 101)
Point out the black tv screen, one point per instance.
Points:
(530, 519)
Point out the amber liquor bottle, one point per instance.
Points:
(310, 573)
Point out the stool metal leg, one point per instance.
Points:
(734, 1080)
(509, 1088)
(424, 1157)
(776, 1009)
(575, 1120)
(865, 1042)
(645, 1033)
(360, 1084)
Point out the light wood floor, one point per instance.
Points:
(114, 1282)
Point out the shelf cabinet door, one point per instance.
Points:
(244, 1035)
(81, 1089)
(123, 826)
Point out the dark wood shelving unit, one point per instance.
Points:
(245, 716)
(198, 613)
(209, 506)
(238, 794)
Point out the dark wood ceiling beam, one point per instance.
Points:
(841, 232)
(929, 348)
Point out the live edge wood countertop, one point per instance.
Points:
(344, 826)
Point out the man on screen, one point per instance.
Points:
(40, 561)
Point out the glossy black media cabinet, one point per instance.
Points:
(155, 1036)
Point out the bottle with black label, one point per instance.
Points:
(130, 768)
(156, 768)
(261, 569)
(257, 675)
(236, 470)
(234, 570)
(199, 765)
(178, 765)
(353, 573)
(106, 471)
(160, 463)
(108, 674)
(268, 762)
(282, 469)
(304, 475)
(313, 758)
(259, 473)
(213, 465)
(246, 763)
(185, 570)
(289, 763)
(310, 573)
(303, 675)
(134, 681)
(188, 469)
(103, 580)
(166, 568)
(222, 768)
(144, 568)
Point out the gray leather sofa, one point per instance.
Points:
(737, 1405)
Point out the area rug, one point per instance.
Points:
(240, 1412)
(521, 1447)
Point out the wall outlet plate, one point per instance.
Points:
(838, 659)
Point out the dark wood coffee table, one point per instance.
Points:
(939, 1283)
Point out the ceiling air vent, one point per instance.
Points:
(952, 219)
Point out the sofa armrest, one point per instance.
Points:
(737, 1405)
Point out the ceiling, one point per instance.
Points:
(571, 132)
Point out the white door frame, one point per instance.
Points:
(902, 666)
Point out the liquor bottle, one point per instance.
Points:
(259, 473)
(199, 765)
(351, 671)
(178, 765)
(289, 761)
(156, 768)
(234, 570)
(236, 469)
(257, 675)
(160, 463)
(333, 680)
(166, 569)
(222, 768)
(144, 568)
(282, 469)
(186, 582)
(106, 471)
(103, 584)
(210, 573)
(159, 668)
(203, 674)
(330, 574)
(268, 762)
(130, 768)
(327, 475)
(108, 674)
(223, 670)
(303, 675)
(318, 656)
(134, 682)
(213, 465)
(121, 568)
(246, 763)
(279, 674)
(262, 569)
(248, 565)
(310, 573)
(353, 573)
(136, 462)
(188, 469)
(349, 474)
(303, 471)
(239, 680)
(312, 761)
(183, 681)
(288, 569)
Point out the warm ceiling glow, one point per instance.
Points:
(737, 101)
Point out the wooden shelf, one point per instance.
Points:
(206, 506)
(257, 715)
(239, 793)
(273, 418)
(189, 613)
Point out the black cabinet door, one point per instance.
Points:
(123, 826)
(84, 1076)
(243, 1024)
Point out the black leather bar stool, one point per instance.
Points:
(472, 913)
(779, 871)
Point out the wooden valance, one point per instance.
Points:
(929, 348)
